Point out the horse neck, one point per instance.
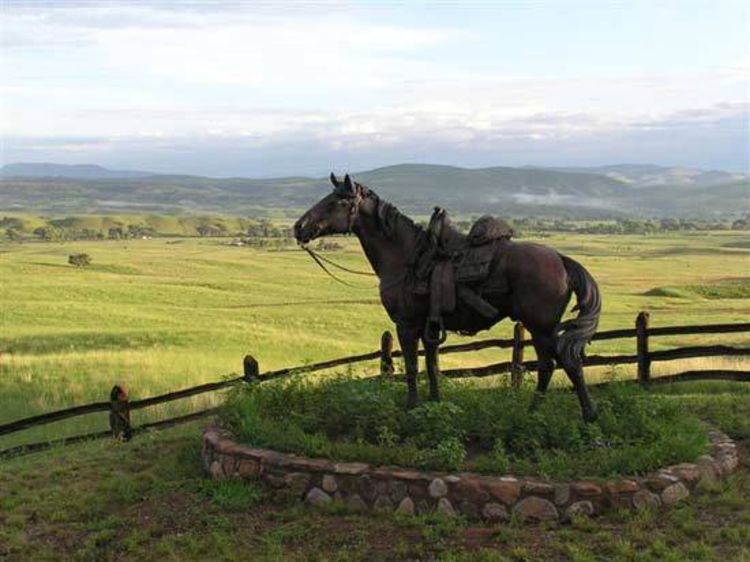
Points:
(389, 255)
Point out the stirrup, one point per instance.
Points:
(441, 333)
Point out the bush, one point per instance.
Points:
(448, 454)
(364, 419)
(434, 423)
(79, 260)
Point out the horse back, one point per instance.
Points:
(534, 268)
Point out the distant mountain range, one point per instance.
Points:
(650, 175)
(70, 171)
(606, 191)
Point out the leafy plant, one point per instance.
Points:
(435, 423)
(448, 454)
(363, 419)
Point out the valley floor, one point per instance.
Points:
(163, 314)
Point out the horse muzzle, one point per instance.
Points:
(305, 231)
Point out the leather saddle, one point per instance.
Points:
(456, 267)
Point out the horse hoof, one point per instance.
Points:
(536, 401)
(590, 417)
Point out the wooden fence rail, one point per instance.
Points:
(120, 407)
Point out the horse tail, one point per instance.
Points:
(571, 336)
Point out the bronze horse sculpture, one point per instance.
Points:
(527, 282)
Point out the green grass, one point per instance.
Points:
(722, 289)
(156, 316)
(148, 500)
(364, 420)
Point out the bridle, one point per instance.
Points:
(360, 195)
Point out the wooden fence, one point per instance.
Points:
(119, 407)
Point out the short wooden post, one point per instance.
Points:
(250, 368)
(386, 354)
(644, 361)
(119, 415)
(516, 369)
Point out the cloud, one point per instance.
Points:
(313, 145)
(337, 81)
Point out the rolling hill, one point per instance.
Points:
(75, 171)
(622, 190)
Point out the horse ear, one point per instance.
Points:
(348, 184)
(334, 181)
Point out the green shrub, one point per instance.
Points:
(448, 454)
(79, 260)
(346, 418)
(434, 423)
(496, 461)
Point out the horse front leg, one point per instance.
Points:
(408, 338)
(433, 368)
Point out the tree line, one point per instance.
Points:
(264, 233)
(70, 228)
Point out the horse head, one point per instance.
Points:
(336, 213)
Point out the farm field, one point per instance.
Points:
(162, 314)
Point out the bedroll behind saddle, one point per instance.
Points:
(476, 258)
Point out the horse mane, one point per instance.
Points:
(391, 220)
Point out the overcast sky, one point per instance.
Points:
(270, 88)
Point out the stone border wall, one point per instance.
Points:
(365, 487)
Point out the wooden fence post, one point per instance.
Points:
(516, 369)
(250, 368)
(119, 415)
(386, 354)
(644, 361)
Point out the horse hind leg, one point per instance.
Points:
(544, 347)
(574, 369)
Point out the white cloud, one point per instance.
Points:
(344, 78)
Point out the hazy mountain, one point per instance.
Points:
(650, 175)
(414, 187)
(75, 171)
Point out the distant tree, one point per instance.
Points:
(47, 233)
(326, 246)
(669, 224)
(11, 222)
(79, 260)
(12, 234)
(115, 233)
(211, 230)
(741, 224)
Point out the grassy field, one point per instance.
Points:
(148, 500)
(161, 314)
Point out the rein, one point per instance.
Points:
(319, 259)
